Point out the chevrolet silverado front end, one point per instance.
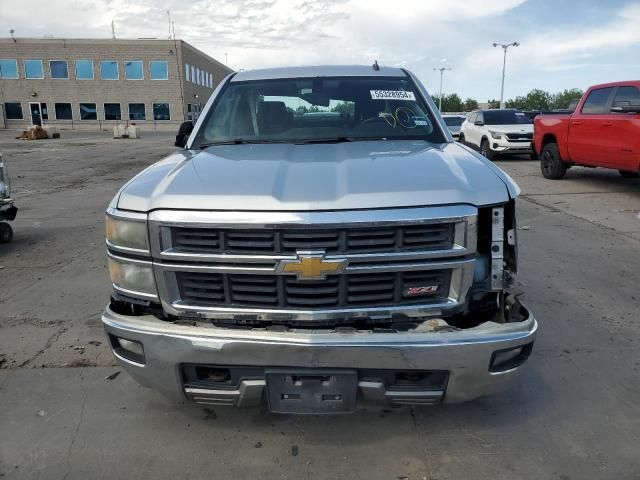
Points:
(321, 240)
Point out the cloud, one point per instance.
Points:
(567, 48)
(416, 34)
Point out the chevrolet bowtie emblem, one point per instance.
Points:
(312, 266)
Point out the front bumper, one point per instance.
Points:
(505, 146)
(465, 356)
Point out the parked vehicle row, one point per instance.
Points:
(602, 129)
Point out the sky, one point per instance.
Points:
(563, 44)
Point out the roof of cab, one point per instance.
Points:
(318, 71)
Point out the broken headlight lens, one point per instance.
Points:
(133, 277)
(127, 233)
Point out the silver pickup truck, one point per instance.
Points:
(320, 241)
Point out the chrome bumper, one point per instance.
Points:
(465, 354)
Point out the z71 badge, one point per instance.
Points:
(420, 291)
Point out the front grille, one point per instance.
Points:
(436, 236)
(520, 137)
(336, 291)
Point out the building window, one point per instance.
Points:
(211, 80)
(133, 70)
(13, 110)
(197, 80)
(161, 111)
(59, 69)
(112, 111)
(137, 111)
(33, 69)
(88, 111)
(159, 70)
(109, 70)
(84, 69)
(193, 74)
(63, 111)
(187, 72)
(8, 68)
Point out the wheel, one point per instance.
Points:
(6, 232)
(485, 150)
(626, 174)
(461, 138)
(551, 164)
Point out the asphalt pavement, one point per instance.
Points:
(573, 414)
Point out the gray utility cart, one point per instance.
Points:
(7, 209)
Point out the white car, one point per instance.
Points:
(495, 132)
(453, 123)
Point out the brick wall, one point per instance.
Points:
(173, 91)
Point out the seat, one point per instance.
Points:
(273, 117)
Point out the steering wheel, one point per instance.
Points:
(387, 118)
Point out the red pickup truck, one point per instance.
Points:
(603, 131)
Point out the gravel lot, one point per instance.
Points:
(573, 414)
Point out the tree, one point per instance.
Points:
(470, 104)
(536, 99)
(564, 98)
(543, 101)
(494, 103)
(347, 108)
(450, 103)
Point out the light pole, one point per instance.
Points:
(441, 70)
(505, 47)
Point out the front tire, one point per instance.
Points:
(6, 232)
(627, 174)
(551, 164)
(485, 150)
(461, 139)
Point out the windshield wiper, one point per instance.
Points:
(236, 141)
(337, 140)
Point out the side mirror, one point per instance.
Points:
(625, 107)
(479, 123)
(183, 133)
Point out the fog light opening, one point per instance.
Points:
(212, 374)
(128, 349)
(509, 358)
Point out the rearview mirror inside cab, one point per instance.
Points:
(183, 134)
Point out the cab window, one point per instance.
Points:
(597, 101)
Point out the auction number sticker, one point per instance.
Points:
(392, 95)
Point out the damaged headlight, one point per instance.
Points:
(129, 259)
(128, 232)
(132, 276)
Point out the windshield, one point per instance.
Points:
(453, 121)
(319, 109)
(505, 117)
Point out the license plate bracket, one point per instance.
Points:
(311, 391)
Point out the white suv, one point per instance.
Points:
(494, 132)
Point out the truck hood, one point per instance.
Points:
(518, 128)
(342, 176)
